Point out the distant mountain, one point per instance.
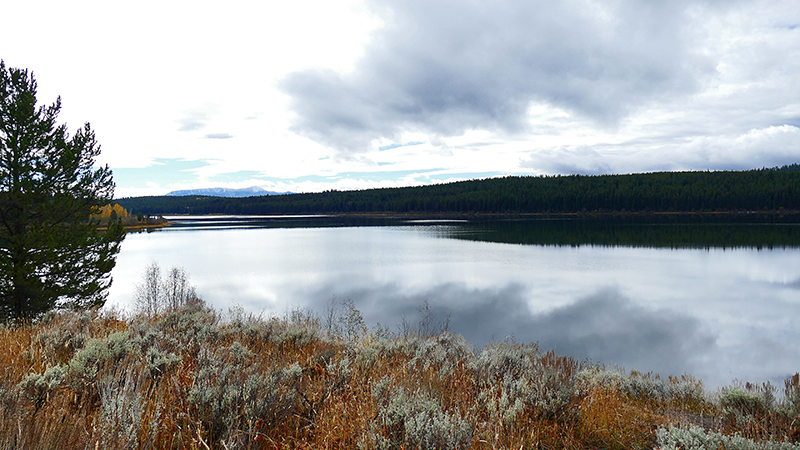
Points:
(254, 191)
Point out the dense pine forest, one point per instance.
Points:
(776, 189)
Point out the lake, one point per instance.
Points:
(717, 299)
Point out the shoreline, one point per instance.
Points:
(141, 227)
(510, 215)
(148, 227)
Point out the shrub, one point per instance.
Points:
(155, 295)
(499, 359)
(686, 391)
(547, 385)
(193, 324)
(121, 410)
(416, 421)
(37, 387)
(230, 393)
(159, 362)
(749, 400)
(63, 333)
(696, 438)
(110, 350)
(342, 320)
(444, 353)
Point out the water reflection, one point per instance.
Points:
(697, 303)
(663, 231)
(605, 326)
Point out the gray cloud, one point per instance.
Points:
(609, 328)
(754, 148)
(218, 136)
(605, 327)
(580, 159)
(447, 67)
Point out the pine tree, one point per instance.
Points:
(52, 254)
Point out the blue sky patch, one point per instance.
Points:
(163, 171)
(391, 146)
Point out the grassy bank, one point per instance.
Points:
(195, 378)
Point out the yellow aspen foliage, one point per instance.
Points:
(104, 213)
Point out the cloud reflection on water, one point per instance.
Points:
(605, 327)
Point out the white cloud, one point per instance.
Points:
(579, 159)
(767, 147)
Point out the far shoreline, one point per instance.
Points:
(510, 215)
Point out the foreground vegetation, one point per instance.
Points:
(767, 190)
(190, 377)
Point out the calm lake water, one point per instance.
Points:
(718, 301)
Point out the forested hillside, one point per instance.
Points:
(755, 190)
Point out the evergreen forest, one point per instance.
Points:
(762, 190)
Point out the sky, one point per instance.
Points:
(311, 95)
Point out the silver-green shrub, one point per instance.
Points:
(511, 375)
(298, 328)
(643, 385)
(231, 393)
(697, 438)
(112, 349)
(368, 355)
(499, 359)
(685, 388)
(37, 387)
(748, 399)
(416, 421)
(121, 410)
(193, 324)
(159, 361)
(397, 347)
(599, 377)
(504, 401)
(297, 335)
(444, 353)
(747, 405)
(63, 333)
(246, 324)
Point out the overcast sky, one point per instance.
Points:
(311, 95)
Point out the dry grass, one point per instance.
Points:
(192, 379)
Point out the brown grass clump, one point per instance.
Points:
(611, 420)
(191, 378)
